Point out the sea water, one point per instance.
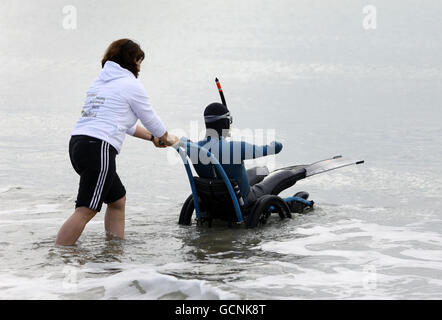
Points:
(323, 77)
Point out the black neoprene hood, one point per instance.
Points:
(217, 109)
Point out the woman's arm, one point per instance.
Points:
(168, 139)
(161, 142)
(140, 105)
(142, 133)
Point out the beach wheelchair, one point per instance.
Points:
(220, 198)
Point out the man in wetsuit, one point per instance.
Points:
(231, 155)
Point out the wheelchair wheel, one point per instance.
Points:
(263, 208)
(187, 211)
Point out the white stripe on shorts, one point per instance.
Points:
(102, 176)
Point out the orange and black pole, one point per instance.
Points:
(223, 100)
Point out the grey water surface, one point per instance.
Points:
(306, 72)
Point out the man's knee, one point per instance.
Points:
(257, 174)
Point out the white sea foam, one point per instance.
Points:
(351, 251)
(378, 237)
(335, 283)
(94, 282)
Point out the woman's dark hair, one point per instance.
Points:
(124, 52)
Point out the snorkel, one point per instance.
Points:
(220, 90)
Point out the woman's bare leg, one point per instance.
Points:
(114, 219)
(71, 230)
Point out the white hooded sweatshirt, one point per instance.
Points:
(114, 103)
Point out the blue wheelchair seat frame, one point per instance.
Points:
(185, 144)
(193, 146)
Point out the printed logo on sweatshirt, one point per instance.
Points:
(88, 114)
(93, 103)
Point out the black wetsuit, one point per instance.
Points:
(231, 155)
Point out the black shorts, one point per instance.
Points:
(94, 160)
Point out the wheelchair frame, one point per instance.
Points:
(239, 214)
